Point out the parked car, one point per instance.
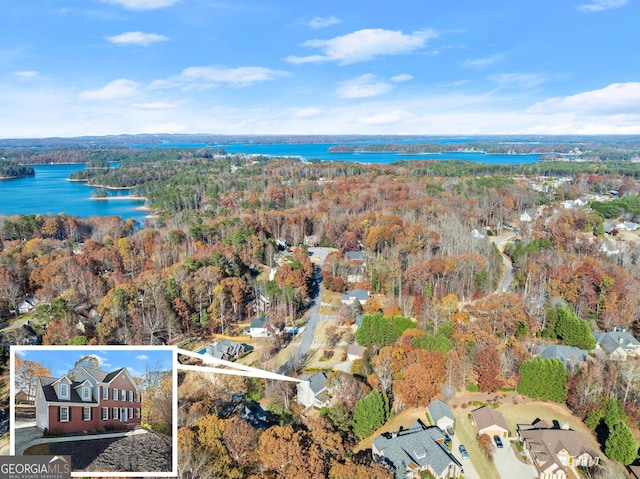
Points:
(463, 452)
(498, 441)
(447, 441)
(449, 431)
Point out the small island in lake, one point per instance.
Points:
(10, 170)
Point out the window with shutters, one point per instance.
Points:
(115, 413)
(130, 396)
(115, 394)
(64, 413)
(130, 412)
(123, 395)
(105, 392)
(86, 414)
(138, 412)
(105, 413)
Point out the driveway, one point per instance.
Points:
(25, 434)
(467, 466)
(509, 465)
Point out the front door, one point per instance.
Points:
(123, 414)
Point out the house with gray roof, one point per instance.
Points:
(440, 414)
(416, 450)
(617, 344)
(226, 349)
(350, 296)
(569, 355)
(260, 328)
(312, 391)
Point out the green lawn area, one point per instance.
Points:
(467, 435)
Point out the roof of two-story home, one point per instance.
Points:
(225, 349)
(438, 410)
(617, 339)
(317, 381)
(356, 256)
(50, 394)
(566, 354)
(548, 442)
(415, 449)
(360, 294)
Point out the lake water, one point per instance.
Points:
(320, 151)
(50, 192)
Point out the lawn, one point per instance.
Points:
(467, 435)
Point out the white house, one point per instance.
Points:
(312, 391)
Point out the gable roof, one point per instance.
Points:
(50, 393)
(486, 416)
(356, 255)
(258, 323)
(612, 340)
(317, 382)
(359, 293)
(547, 442)
(564, 353)
(417, 447)
(439, 409)
(226, 346)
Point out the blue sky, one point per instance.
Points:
(61, 360)
(96, 67)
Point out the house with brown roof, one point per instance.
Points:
(490, 422)
(553, 450)
(93, 399)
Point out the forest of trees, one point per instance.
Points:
(438, 321)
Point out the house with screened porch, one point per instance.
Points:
(93, 399)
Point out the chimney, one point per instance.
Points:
(620, 340)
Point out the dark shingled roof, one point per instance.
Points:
(417, 447)
(112, 375)
(51, 396)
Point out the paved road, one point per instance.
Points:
(500, 241)
(319, 255)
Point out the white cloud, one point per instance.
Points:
(386, 117)
(364, 86)
(402, 77)
(115, 90)
(156, 105)
(142, 357)
(142, 4)
(364, 45)
(614, 98)
(240, 77)
(136, 38)
(322, 22)
(308, 112)
(517, 80)
(26, 74)
(484, 61)
(600, 5)
(20, 352)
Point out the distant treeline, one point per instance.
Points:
(10, 169)
(621, 150)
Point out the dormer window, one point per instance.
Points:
(64, 391)
(86, 393)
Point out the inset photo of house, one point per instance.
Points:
(113, 409)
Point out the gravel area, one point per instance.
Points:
(140, 453)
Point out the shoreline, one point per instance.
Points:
(128, 197)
